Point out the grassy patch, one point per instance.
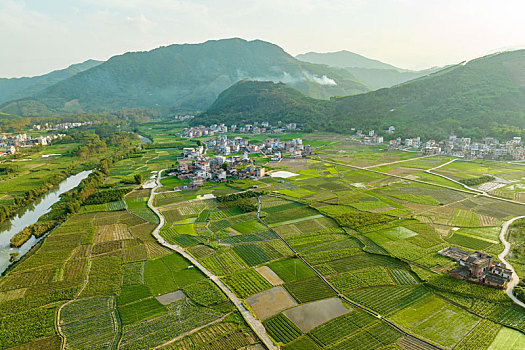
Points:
(291, 269)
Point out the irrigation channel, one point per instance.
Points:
(28, 216)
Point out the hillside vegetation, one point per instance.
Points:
(16, 88)
(184, 78)
(483, 97)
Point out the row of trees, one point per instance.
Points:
(69, 204)
(236, 196)
(475, 181)
(107, 196)
(9, 211)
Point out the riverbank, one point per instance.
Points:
(30, 217)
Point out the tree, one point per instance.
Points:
(138, 178)
(104, 166)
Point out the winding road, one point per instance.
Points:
(515, 279)
(254, 324)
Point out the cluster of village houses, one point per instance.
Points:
(463, 147)
(255, 128)
(232, 158)
(13, 143)
(488, 148)
(222, 145)
(60, 126)
(478, 268)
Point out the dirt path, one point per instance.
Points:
(515, 279)
(86, 281)
(397, 161)
(194, 330)
(255, 324)
(469, 191)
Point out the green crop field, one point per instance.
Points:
(291, 269)
(182, 317)
(387, 299)
(434, 319)
(281, 329)
(373, 236)
(246, 283)
(90, 323)
(402, 277)
(224, 263)
(309, 289)
(480, 337)
(374, 276)
(334, 330)
(169, 273)
(508, 339)
(140, 310)
(468, 241)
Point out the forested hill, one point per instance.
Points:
(484, 96)
(185, 78)
(16, 88)
(249, 101)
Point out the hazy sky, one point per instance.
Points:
(37, 36)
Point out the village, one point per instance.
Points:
(12, 143)
(60, 126)
(461, 147)
(477, 267)
(231, 159)
(255, 128)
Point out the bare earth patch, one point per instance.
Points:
(270, 302)
(308, 316)
(169, 298)
(270, 276)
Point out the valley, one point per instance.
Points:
(341, 252)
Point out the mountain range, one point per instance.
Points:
(475, 98)
(375, 74)
(185, 77)
(235, 80)
(17, 88)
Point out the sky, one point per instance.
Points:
(38, 36)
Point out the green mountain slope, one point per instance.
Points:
(17, 88)
(484, 96)
(187, 78)
(373, 73)
(248, 101)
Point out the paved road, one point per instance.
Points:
(515, 279)
(255, 324)
(451, 179)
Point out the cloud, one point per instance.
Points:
(324, 80)
(140, 22)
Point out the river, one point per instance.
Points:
(30, 215)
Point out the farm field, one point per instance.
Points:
(508, 339)
(372, 237)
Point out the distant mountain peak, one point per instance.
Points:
(344, 59)
(186, 78)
